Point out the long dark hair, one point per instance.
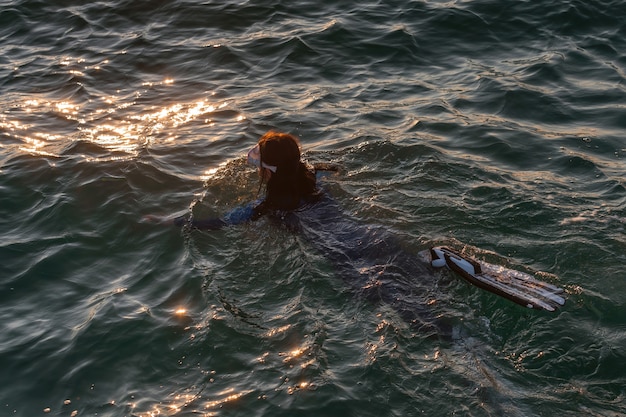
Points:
(293, 182)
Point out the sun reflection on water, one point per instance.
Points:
(119, 125)
(296, 364)
(193, 403)
(138, 130)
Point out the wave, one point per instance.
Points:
(494, 124)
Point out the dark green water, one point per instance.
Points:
(497, 127)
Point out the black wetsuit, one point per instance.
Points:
(369, 259)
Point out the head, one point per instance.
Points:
(287, 179)
(275, 152)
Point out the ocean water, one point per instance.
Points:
(493, 126)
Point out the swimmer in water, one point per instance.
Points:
(289, 182)
(371, 260)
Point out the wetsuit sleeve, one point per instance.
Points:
(242, 214)
(238, 215)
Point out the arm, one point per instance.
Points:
(238, 215)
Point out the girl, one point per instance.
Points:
(289, 182)
(370, 260)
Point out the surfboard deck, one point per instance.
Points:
(517, 286)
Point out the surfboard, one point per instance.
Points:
(517, 286)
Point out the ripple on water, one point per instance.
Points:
(496, 126)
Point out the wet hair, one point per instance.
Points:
(293, 182)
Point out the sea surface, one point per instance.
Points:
(495, 127)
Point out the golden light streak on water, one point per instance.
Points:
(209, 173)
(278, 330)
(42, 125)
(182, 402)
